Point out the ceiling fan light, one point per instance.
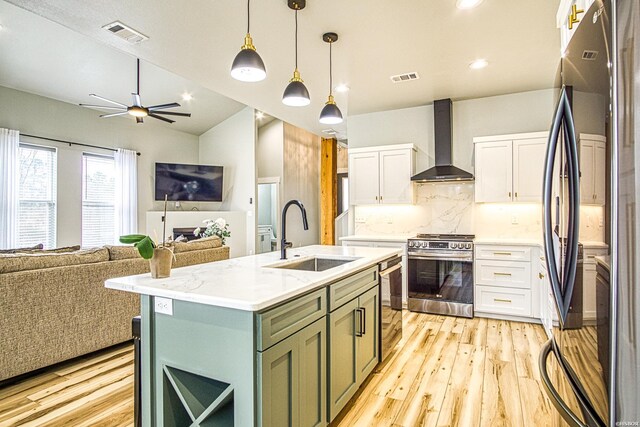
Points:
(330, 114)
(296, 93)
(137, 111)
(247, 65)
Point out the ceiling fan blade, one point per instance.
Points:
(107, 100)
(171, 113)
(161, 118)
(101, 107)
(104, 116)
(139, 120)
(136, 100)
(163, 106)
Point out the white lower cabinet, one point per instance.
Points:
(501, 300)
(505, 282)
(589, 280)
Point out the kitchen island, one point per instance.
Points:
(259, 341)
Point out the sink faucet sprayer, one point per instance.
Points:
(284, 244)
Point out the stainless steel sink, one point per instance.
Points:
(313, 264)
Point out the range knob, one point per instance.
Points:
(411, 244)
(468, 246)
(425, 244)
(454, 245)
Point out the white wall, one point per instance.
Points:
(232, 144)
(270, 148)
(37, 115)
(514, 113)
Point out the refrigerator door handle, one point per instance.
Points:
(563, 119)
(556, 400)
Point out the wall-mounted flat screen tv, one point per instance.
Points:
(189, 183)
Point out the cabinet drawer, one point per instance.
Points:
(285, 320)
(507, 253)
(349, 288)
(503, 273)
(514, 302)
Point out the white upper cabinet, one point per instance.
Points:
(381, 175)
(509, 168)
(364, 175)
(593, 164)
(528, 169)
(494, 171)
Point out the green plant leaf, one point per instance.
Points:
(132, 238)
(145, 247)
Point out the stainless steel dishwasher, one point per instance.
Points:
(390, 305)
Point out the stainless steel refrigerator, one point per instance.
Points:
(591, 367)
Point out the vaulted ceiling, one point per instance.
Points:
(198, 40)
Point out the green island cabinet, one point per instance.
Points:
(295, 364)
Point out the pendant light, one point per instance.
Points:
(330, 114)
(248, 66)
(296, 93)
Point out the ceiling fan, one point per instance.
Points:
(137, 110)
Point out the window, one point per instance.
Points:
(98, 200)
(37, 194)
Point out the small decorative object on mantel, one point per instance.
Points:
(160, 256)
(219, 228)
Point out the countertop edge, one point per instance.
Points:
(252, 306)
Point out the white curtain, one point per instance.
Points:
(9, 185)
(126, 205)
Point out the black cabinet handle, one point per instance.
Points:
(364, 321)
(359, 323)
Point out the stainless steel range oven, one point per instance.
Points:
(440, 274)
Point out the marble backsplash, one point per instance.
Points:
(439, 208)
(450, 208)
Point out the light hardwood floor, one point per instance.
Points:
(447, 372)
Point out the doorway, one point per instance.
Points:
(268, 213)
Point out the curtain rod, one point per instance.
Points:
(71, 143)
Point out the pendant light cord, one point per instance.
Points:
(296, 39)
(248, 16)
(330, 70)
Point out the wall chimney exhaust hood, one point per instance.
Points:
(444, 170)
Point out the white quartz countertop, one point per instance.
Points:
(400, 238)
(248, 283)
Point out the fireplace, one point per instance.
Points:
(187, 232)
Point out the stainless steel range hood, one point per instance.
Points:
(444, 169)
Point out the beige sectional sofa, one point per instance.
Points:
(54, 306)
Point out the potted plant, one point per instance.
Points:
(219, 228)
(160, 256)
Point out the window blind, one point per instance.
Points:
(37, 196)
(98, 200)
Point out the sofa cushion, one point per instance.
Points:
(198, 244)
(20, 262)
(37, 247)
(117, 253)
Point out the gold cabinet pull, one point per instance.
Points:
(541, 276)
(516, 194)
(497, 273)
(376, 198)
(502, 253)
(502, 300)
(509, 193)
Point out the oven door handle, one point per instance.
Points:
(447, 257)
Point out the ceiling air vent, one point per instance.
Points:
(405, 77)
(126, 33)
(589, 55)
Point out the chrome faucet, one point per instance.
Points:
(284, 244)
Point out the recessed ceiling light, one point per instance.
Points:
(467, 4)
(342, 88)
(478, 64)
(259, 115)
(187, 96)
